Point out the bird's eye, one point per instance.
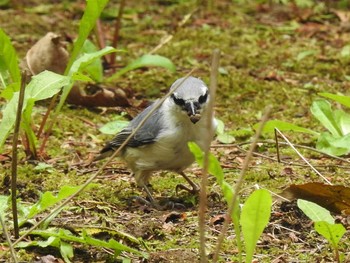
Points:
(203, 98)
(177, 101)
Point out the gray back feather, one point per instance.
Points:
(145, 135)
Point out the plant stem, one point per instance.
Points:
(14, 156)
(8, 239)
(117, 26)
(210, 134)
(239, 184)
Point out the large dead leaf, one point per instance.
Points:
(49, 53)
(95, 96)
(335, 198)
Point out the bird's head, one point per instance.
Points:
(191, 97)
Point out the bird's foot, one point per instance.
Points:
(195, 188)
(165, 205)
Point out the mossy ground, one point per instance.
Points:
(260, 66)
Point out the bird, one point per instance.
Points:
(161, 143)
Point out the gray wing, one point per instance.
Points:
(145, 135)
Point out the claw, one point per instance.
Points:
(195, 188)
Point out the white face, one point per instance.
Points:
(192, 105)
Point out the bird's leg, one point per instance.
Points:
(195, 188)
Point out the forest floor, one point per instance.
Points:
(271, 55)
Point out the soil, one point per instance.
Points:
(278, 55)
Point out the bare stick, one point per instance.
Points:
(302, 157)
(277, 147)
(14, 156)
(99, 171)
(210, 134)
(8, 239)
(239, 183)
(117, 26)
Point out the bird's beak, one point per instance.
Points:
(192, 111)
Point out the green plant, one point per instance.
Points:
(335, 141)
(84, 65)
(59, 237)
(324, 224)
(255, 213)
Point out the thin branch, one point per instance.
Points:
(277, 147)
(14, 156)
(66, 201)
(283, 143)
(8, 239)
(302, 157)
(239, 184)
(203, 193)
(117, 26)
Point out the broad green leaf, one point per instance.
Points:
(66, 251)
(9, 69)
(344, 100)
(345, 52)
(329, 144)
(343, 120)
(45, 85)
(321, 109)
(113, 127)
(78, 66)
(51, 241)
(305, 54)
(220, 126)
(332, 232)
(315, 212)
(86, 59)
(254, 218)
(48, 199)
(42, 86)
(225, 138)
(92, 12)
(270, 126)
(94, 69)
(214, 167)
(145, 61)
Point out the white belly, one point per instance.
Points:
(170, 151)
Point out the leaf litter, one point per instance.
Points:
(288, 229)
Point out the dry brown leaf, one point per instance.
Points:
(99, 97)
(335, 198)
(343, 15)
(49, 53)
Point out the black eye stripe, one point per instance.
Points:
(203, 98)
(177, 101)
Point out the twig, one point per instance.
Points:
(283, 143)
(8, 239)
(277, 148)
(117, 26)
(66, 201)
(42, 125)
(203, 193)
(302, 157)
(14, 156)
(239, 184)
(284, 162)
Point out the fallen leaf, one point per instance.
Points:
(95, 96)
(218, 219)
(174, 217)
(49, 53)
(335, 198)
(343, 15)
